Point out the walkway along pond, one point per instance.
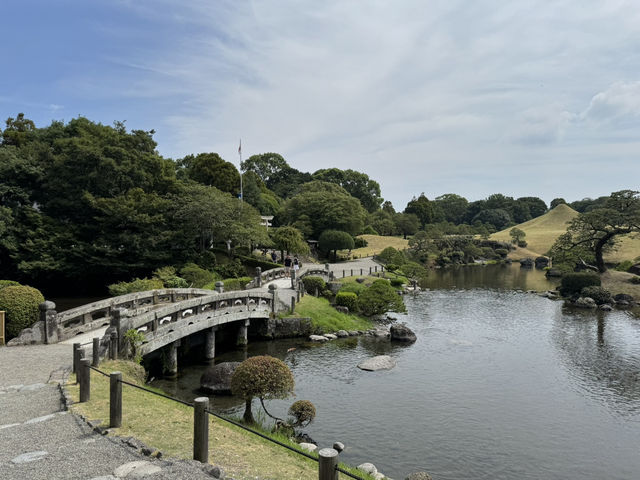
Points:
(500, 384)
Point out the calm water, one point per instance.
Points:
(500, 385)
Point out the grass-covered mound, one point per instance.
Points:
(376, 244)
(327, 319)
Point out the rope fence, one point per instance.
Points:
(327, 460)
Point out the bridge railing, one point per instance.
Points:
(96, 314)
(276, 273)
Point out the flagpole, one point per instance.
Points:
(240, 155)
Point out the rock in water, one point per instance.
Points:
(217, 379)
(381, 362)
(401, 333)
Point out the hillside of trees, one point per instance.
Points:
(83, 205)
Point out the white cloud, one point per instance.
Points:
(620, 100)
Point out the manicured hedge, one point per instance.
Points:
(573, 283)
(598, 294)
(349, 300)
(20, 303)
(311, 283)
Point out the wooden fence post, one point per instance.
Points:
(115, 400)
(2, 334)
(113, 346)
(327, 463)
(76, 359)
(201, 429)
(293, 304)
(96, 351)
(84, 376)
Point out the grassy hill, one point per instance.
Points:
(544, 230)
(377, 243)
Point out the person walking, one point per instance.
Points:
(274, 256)
(287, 266)
(296, 264)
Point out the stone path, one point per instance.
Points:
(40, 440)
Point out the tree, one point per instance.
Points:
(496, 217)
(517, 235)
(290, 239)
(451, 207)
(557, 201)
(358, 184)
(212, 170)
(380, 298)
(18, 131)
(268, 166)
(598, 229)
(382, 222)
(406, 223)
(335, 240)
(263, 377)
(327, 206)
(421, 207)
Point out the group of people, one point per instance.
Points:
(289, 263)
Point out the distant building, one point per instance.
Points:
(266, 220)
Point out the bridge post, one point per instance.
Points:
(360, 272)
(219, 287)
(49, 319)
(351, 272)
(171, 366)
(293, 279)
(298, 296)
(242, 333)
(258, 277)
(113, 346)
(210, 346)
(326, 267)
(343, 275)
(293, 304)
(369, 270)
(274, 296)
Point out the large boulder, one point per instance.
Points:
(381, 362)
(401, 333)
(585, 302)
(635, 269)
(217, 379)
(623, 297)
(526, 262)
(542, 262)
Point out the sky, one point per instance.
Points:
(525, 98)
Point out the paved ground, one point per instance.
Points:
(40, 440)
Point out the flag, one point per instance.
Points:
(240, 148)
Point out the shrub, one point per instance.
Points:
(391, 255)
(635, 280)
(503, 252)
(396, 282)
(599, 294)
(359, 242)
(8, 283)
(303, 413)
(233, 269)
(311, 283)
(196, 276)
(347, 299)
(135, 285)
(621, 267)
(20, 303)
(169, 278)
(379, 298)
(263, 377)
(573, 283)
(353, 287)
(522, 244)
(236, 283)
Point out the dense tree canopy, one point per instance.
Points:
(210, 169)
(358, 184)
(422, 208)
(598, 229)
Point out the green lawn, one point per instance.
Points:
(326, 318)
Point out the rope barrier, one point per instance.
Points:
(233, 422)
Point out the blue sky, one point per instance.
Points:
(526, 98)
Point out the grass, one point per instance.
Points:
(543, 231)
(327, 319)
(377, 243)
(168, 426)
(618, 282)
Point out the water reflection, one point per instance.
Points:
(602, 352)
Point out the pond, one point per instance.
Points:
(501, 384)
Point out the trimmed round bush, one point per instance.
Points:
(573, 283)
(503, 252)
(598, 294)
(396, 282)
(353, 287)
(311, 283)
(197, 276)
(20, 303)
(380, 298)
(303, 412)
(8, 283)
(235, 283)
(347, 299)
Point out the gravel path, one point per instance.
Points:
(40, 440)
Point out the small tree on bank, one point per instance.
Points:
(263, 377)
(517, 235)
(334, 240)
